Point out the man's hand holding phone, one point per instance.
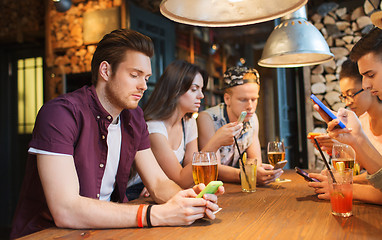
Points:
(210, 193)
(211, 188)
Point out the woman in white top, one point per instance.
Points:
(173, 132)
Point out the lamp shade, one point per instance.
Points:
(295, 42)
(227, 13)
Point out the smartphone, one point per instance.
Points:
(305, 175)
(326, 110)
(280, 164)
(242, 117)
(312, 135)
(211, 188)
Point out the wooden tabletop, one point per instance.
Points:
(287, 210)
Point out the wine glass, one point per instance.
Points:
(204, 167)
(276, 153)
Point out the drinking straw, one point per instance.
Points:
(242, 163)
(325, 161)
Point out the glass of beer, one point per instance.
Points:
(204, 167)
(343, 153)
(276, 153)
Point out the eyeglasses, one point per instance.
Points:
(350, 97)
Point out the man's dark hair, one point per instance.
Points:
(113, 46)
(371, 42)
(349, 69)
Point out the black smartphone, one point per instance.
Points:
(305, 175)
(326, 110)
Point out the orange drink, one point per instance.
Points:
(341, 192)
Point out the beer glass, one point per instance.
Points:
(343, 153)
(204, 167)
(276, 153)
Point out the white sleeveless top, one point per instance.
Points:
(155, 126)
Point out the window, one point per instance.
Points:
(30, 92)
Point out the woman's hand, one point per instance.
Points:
(322, 187)
(353, 131)
(326, 142)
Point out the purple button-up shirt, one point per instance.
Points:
(76, 124)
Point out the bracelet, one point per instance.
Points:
(139, 215)
(148, 211)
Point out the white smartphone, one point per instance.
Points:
(242, 117)
(280, 164)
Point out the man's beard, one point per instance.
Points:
(112, 96)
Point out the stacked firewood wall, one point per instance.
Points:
(67, 53)
(342, 28)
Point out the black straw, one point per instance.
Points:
(325, 161)
(242, 163)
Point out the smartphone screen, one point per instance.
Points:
(211, 188)
(305, 175)
(242, 116)
(280, 164)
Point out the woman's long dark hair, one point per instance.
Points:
(174, 82)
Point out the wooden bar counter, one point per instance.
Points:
(288, 210)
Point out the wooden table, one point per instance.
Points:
(279, 211)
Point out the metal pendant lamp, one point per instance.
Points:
(227, 13)
(295, 42)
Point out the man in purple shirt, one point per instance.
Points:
(84, 144)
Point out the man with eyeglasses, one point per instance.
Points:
(368, 54)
